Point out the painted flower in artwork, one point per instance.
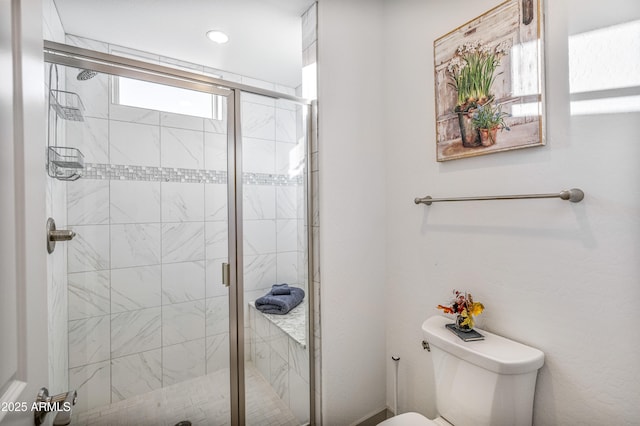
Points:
(472, 71)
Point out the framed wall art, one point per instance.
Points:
(489, 83)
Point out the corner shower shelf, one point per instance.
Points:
(67, 105)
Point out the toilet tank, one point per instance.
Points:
(486, 382)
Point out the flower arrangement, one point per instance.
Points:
(465, 308)
(472, 70)
(488, 116)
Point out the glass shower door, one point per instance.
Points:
(148, 319)
(274, 252)
(167, 194)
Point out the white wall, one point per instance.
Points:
(561, 277)
(352, 213)
(554, 275)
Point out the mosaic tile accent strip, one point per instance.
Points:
(170, 174)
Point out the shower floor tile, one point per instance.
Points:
(202, 401)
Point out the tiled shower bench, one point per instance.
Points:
(279, 352)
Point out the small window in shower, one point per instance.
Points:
(143, 94)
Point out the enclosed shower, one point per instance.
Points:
(188, 197)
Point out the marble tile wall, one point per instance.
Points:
(147, 308)
(281, 356)
(276, 213)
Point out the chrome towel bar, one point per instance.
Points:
(574, 195)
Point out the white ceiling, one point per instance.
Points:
(264, 35)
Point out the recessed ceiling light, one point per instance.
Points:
(217, 36)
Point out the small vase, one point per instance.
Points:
(468, 132)
(488, 136)
(459, 326)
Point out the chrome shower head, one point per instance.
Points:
(86, 75)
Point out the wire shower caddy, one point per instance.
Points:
(63, 163)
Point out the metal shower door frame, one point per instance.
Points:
(62, 54)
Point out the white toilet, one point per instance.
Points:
(486, 382)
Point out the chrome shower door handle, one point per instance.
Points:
(63, 417)
(62, 404)
(226, 272)
(54, 235)
(61, 235)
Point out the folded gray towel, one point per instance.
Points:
(280, 289)
(282, 304)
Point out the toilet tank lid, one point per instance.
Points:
(494, 353)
